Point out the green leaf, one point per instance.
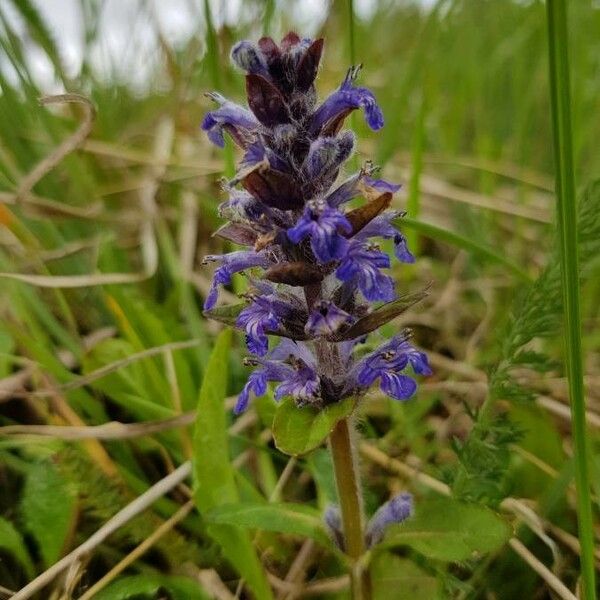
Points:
(409, 582)
(213, 472)
(460, 241)
(449, 530)
(149, 586)
(215, 482)
(295, 519)
(49, 507)
(11, 542)
(299, 430)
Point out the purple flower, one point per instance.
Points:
(302, 383)
(238, 121)
(293, 365)
(360, 265)
(333, 522)
(290, 220)
(248, 57)
(231, 263)
(242, 206)
(264, 314)
(396, 510)
(387, 364)
(326, 318)
(345, 192)
(322, 224)
(265, 371)
(381, 185)
(381, 226)
(346, 99)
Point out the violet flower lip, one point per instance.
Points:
(320, 273)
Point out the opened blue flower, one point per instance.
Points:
(265, 371)
(326, 319)
(360, 265)
(381, 226)
(343, 101)
(237, 121)
(302, 383)
(323, 225)
(231, 263)
(381, 185)
(289, 363)
(387, 364)
(262, 315)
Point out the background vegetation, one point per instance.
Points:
(101, 291)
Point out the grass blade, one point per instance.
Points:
(455, 239)
(556, 12)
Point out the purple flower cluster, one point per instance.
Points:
(325, 281)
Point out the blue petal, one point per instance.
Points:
(400, 387)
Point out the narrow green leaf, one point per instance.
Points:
(48, 507)
(295, 519)
(566, 211)
(300, 430)
(455, 239)
(11, 542)
(151, 585)
(215, 482)
(213, 472)
(449, 530)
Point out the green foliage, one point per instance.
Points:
(214, 483)
(48, 508)
(484, 457)
(300, 430)
(471, 141)
(293, 519)
(152, 586)
(392, 572)
(12, 543)
(450, 530)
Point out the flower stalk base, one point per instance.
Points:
(345, 466)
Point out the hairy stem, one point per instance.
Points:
(349, 494)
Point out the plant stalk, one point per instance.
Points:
(556, 11)
(349, 494)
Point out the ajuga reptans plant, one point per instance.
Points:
(319, 280)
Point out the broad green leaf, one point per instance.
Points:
(213, 472)
(542, 440)
(151, 586)
(49, 507)
(299, 430)
(449, 530)
(409, 582)
(294, 519)
(12, 543)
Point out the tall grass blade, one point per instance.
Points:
(556, 12)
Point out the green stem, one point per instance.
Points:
(349, 495)
(556, 11)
